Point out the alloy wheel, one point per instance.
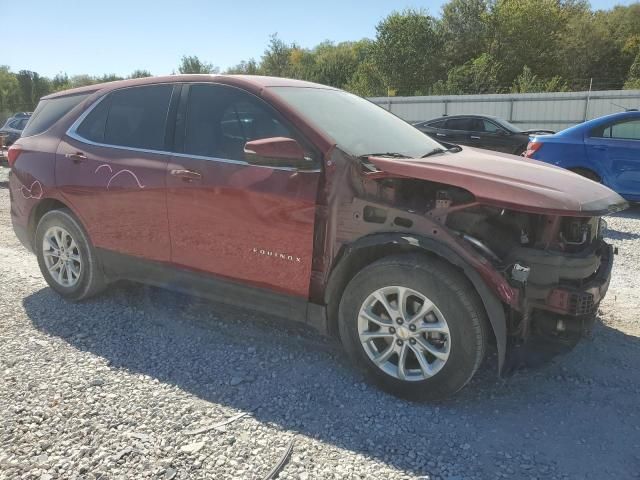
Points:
(404, 333)
(62, 256)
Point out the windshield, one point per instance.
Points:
(358, 126)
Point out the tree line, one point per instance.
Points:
(474, 46)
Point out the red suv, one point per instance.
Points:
(307, 202)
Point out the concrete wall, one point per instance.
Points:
(554, 111)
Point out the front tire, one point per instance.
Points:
(415, 326)
(67, 259)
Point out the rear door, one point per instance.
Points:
(245, 222)
(457, 130)
(615, 149)
(111, 168)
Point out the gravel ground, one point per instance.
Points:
(134, 384)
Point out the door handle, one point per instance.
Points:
(441, 134)
(473, 137)
(76, 157)
(186, 175)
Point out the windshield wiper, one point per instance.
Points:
(385, 154)
(436, 151)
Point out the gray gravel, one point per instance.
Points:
(135, 383)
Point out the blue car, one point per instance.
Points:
(606, 150)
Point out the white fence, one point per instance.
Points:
(554, 111)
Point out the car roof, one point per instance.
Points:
(472, 115)
(250, 82)
(596, 122)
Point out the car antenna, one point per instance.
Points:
(626, 109)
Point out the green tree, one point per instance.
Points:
(528, 82)
(9, 92)
(140, 73)
(249, 67)
(276, 58)
(333, 65)
(464, 28)
(192, 64)
(60, 82)
(633, 79)
(526, 31)
(408, 52)
(32, 88)
(476, 76)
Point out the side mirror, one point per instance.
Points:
(275, 152)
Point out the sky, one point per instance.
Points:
(118, 36)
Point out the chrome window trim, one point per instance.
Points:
(72, 133)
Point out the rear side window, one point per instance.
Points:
(627, 130)
(49, 111)
(458, 124)
(439, 124)
(133, 117)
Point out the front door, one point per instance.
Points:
(486, 134)
(245, 222)
(112, 170)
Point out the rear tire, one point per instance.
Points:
(453, 346)
(67, 259)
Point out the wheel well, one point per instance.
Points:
(348, 267)
(44, 206)
(588, 173)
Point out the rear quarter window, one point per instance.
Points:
(49, 111)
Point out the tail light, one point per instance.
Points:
(13, 153)
(532, 147)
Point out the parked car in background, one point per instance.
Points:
(481, 131)
(605, 150)
(311, 203)
(12, 128)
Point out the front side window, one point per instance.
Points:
(132, 117)
(221, 120)
(490, 127)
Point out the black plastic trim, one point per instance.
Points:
(118, 266)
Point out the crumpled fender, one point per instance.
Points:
(492, 304)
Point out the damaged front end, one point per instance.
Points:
(537, 246)
(560, 266)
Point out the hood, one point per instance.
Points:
(512, 182)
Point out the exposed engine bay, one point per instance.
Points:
(559, 265)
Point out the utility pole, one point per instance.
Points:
(586, 105)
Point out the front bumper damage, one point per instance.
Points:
(559, 303)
